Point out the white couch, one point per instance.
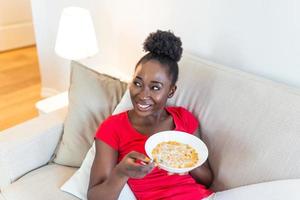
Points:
(251, 127)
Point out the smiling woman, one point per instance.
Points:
(19, 86)
(120, 139)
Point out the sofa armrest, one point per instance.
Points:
(29, 145)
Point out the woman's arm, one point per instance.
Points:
(105, 182)
(202, 174)
(108, 178)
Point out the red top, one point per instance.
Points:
(118, 132)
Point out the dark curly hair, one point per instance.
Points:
(164, 47)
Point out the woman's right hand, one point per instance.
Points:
(135, 165)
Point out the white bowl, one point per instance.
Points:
(181, 137)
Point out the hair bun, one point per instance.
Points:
(164, 43)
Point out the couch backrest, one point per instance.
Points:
(251, 125)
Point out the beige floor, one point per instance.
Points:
(20, 86)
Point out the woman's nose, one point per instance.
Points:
(144, 94)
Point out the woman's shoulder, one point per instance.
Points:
(109, 124)
(184, 119)
(115, 118)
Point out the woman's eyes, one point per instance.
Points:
(155, 88)
(137, 84)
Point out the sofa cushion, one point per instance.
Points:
(42, 183)
(92, 97)
(275, 190)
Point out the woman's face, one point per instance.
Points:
(150, 88)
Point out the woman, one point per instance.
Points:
(120, 156)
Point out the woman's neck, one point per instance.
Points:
(151, 124)
(153, 119)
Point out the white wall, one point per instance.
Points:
(54, 69)
(16, 28)
(258, 36)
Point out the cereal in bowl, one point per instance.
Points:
(175, 154)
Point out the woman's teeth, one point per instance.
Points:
(143, 107)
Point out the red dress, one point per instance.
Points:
(117, 132)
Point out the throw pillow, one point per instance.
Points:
(92, 97)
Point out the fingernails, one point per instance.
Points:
(143, 163)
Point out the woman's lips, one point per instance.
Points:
(143, 107)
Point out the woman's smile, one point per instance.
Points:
(143, 107)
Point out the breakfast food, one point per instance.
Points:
(175, 154)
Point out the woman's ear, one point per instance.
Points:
(172, 91)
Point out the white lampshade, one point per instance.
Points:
(76, 37)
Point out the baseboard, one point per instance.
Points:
(16, 36)
(47, 92)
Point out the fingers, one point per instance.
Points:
(143, 164)
(139, 156)
(140, 159)
(138, 165)
(139, 171)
